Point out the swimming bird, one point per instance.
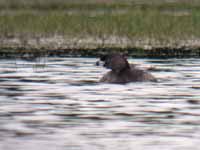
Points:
(121, 71)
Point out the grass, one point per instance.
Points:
(133, 19)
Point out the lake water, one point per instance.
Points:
(57, 104)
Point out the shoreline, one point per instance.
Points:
(57, 45)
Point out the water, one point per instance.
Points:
(58, 104)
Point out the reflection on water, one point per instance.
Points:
(57, 103)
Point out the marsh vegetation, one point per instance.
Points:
(99, 24)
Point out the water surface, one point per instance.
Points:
(58, 104)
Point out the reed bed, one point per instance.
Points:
(156, 20)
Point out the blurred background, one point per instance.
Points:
(99, 23)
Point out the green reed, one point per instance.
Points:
(156, 20)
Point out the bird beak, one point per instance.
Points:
(99, 63)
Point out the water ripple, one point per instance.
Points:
(58, 103)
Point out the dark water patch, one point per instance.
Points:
(160, 69)
(99, 101)
(90, 82)
(195, 87)
(94, 117)
(190, 123)
(161, 112)
(15, 94)
(123, 114)
(54, 96)
(27, 80)
(162, 61)
(84, 83)
(192, 101)
(71, 115)
(12, 88)
(10, 77)
(8, 72)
